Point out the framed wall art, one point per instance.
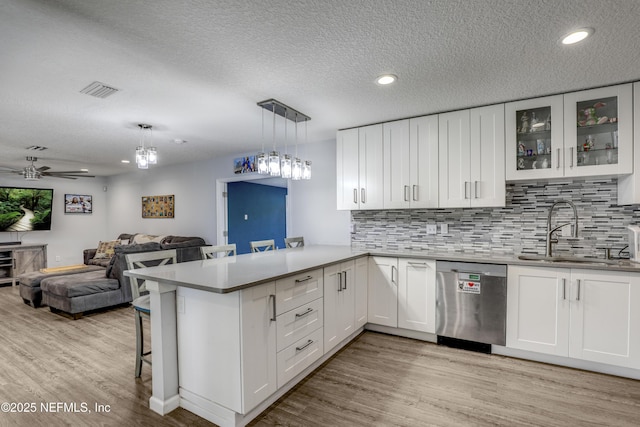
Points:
(78, 203)
(246, 164)
(158, 206)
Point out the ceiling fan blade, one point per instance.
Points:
(43, 168)
(64, 172)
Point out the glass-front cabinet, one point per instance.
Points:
(534, 138)
(598, 131)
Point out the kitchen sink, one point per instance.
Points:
(568, 259)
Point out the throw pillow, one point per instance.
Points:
(105, 249)
(143, 238)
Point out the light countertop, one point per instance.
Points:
(229, 274)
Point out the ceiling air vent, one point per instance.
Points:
(37, 148)
(99, 90)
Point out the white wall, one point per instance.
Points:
(70, 233)
(118, 210)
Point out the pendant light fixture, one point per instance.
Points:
(306, 166)
(284, 166)
(261, 159)
(145, 156)
(296, 166)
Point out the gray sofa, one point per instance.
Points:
(103, 283)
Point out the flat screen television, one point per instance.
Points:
(25, 209)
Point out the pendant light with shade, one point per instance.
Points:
(274, 156)
(296, 166)
(145, 155)
(261, 159)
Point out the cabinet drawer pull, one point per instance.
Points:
(578, 296)
(304, 280)
(304, 346)
(415, 192)
(299, 315)
(417, 263)
(273, 306)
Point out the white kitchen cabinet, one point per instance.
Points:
(339, 303)
(471, 153)
(417, 295)
(411, 163)
(361, 284)
(584, 314)
(234, 366)
(538, 309)
(598, 131)
(629, 185)
(534, 136)
(359, 168)
(382, 295)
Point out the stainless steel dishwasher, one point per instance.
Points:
(471, 301)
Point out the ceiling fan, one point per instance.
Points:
(31, 173)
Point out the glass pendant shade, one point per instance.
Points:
(262, 163)
(296, 169)
(285, 166)
(274, 163)
(306, 169)
(142, 159)
(152, 155)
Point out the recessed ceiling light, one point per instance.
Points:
(386, 79)
(125, 161)
(577, 36)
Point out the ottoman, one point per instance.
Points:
(77, 293)
(29, 283)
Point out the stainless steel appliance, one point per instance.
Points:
(471, 301)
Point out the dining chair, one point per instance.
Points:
(294, 242)
(210, 252)
(141, 300)
(262, 245)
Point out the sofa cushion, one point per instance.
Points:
(33, 278)
(106, 249)
(75, 285)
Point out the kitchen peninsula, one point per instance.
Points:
(214, 325)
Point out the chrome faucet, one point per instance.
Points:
(550, 231)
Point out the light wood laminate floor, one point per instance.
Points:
(377, 380)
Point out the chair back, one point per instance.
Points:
(210, 252)
(147, 259)
(262, 245)
(294, 242)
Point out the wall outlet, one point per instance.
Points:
(444, 228)
(432, 229)
(58, 258)
(352, 227)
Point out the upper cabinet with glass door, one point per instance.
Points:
(534, 145)
(598, 131)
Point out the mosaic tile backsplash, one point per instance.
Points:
(520, 227)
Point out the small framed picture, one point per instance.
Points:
(78, 203)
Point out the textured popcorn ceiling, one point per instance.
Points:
(195, 70)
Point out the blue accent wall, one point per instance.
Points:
(265, 208)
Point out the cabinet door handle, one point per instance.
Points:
(340, 281)
(392, 269)
(273, 307)
(475, 189)
(355, 195)
(571, 156)
(415, 192)
(558, 159)
(304, 346)
(465, 190)
(363, 193)
(406, 195)
(304, 280)
(578, 296)
(344, 276)
(564, 289)
(299, 315)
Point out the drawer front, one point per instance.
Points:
(295, 291)
(298, 356)
(295, 324)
